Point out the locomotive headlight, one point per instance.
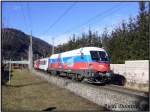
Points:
(101, 65)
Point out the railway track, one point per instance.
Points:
(104, 95)
(108, 86)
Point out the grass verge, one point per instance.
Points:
(28, 92)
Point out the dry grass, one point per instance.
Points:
(27, 92)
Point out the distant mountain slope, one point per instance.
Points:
(15, 45)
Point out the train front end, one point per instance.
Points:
(100, 67)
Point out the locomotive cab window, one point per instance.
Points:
(94, 55)
(98, 56)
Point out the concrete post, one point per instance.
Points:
(9, 71)
(30, 54)
(53, 46)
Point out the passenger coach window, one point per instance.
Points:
(42, 62)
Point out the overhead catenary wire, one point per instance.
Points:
(102, 14)
(8, 21)
(25, 19)
(5, 20)
(59, 18)
(29, 17)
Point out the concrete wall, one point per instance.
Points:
(134, 71)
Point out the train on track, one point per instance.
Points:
(89, 63)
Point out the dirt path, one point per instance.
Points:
(28, 92)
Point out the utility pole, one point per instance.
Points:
(9, 71)
(53, 45)
(30, 53)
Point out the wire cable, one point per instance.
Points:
(29, 16)
(25, 19)
(59, 18)
(96, 16)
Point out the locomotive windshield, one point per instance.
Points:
(99, 56)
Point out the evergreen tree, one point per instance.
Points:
(128, 41)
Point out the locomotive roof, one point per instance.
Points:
(77, 51)
(87, 49)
